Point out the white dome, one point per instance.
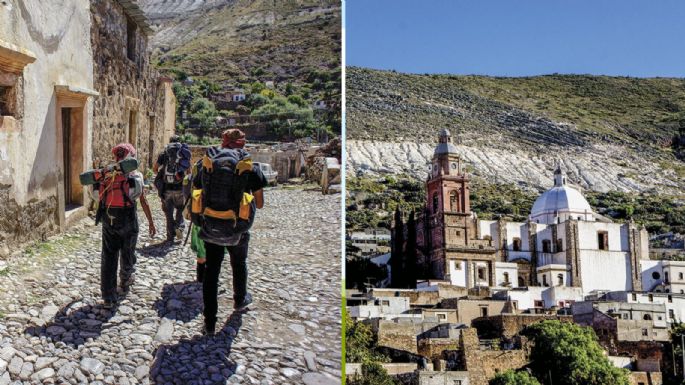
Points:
(560, 203)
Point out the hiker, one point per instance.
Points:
(171, 167)
(117, 194)
(232, 188)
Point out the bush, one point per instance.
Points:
(511, 377)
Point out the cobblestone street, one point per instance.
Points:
(53, 328)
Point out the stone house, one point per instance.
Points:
(65, 100)
(620, 321)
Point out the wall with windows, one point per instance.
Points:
(53, 40)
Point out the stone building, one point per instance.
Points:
(564, 244)
(64, 101)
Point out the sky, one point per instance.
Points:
(518, 37)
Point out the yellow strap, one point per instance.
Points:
(244, 165)
(228, 214)
(196, 201)
(245, 206)
(207, 163)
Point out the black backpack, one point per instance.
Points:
(177, 162)
(228, 209)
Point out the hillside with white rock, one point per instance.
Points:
(607, 133)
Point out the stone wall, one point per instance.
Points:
(509, 325)
(482, 364)
(132, 106)
(644, 378)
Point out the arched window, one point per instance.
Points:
(454, 201)
(517, 244)
(647, 317)
(522, 283)
(560, 280)
(506, 278)
(435, 202)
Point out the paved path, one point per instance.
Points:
(53, 329)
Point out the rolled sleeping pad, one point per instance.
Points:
(93, 176)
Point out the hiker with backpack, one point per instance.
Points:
(117, 192)
(171, 167)
(227, 190)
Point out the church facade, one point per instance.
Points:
(562, 253)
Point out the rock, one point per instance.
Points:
(26, 371)
(15, 366)
(165, 331)
(290, 372)
(92, 366)
(43, 362)
(297, 328)
(5, 379)
(7, 353)
(314, 378)
(142, 372)
(43, 374)
(310, 360)
(48, 312)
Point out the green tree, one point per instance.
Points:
(360, 342)
(257, 87)
(203, 112)
(373, 374)
(511, 377)
(569, 354)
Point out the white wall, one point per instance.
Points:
(587, 235)
(58, 33)
(517, 230)
(605, 270)
(509, 268)
(647, 269)
(458, 276)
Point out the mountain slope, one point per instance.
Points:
(242, 40)
(609, 133)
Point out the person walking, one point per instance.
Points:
(117, 211)
(232, 187)
(170, 168)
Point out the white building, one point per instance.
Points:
(371, 241)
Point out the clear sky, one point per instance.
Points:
(518, 37)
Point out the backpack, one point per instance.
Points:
(223, 209)
(177, 162)
(118, 191)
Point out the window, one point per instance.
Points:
(603, 240)
(6, 100)
(671, 314)
(453, 201)
(560, 245)
(634, 295)
(435, 202)
(538, 303)
(457, 265)
(442, 316)
(656, 275)
(522, 282)
(680, 276)
(644, 332)
(483, 311)
(647, 317)
(560, 280)
(517, 244)
(546, 246)
(544, 280)
(131, 39)
(385, 303)
(651, 298)
(481, 273)
(457, 382)
(506, 278)
(670, 298)
(666, 276)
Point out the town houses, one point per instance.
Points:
(454, 278)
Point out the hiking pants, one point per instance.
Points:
(210, 284)
(172, 204)
(118, 244)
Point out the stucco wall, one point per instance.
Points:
(596, 264)
(58, 34)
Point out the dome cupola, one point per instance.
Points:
(560, 203)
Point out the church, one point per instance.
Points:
(562, 253)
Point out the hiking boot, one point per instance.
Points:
(109, 304)
(209, 328)
(242, 305)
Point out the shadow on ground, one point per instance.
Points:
(199, 360)
(157, 250)
(74, 324)
(180, 301)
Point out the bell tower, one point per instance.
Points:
(447, 185)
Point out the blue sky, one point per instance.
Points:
(518, 37)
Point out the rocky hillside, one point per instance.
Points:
(246, 40)
(610, 133)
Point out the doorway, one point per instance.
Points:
(72, 156)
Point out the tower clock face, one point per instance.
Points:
(453, 165)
